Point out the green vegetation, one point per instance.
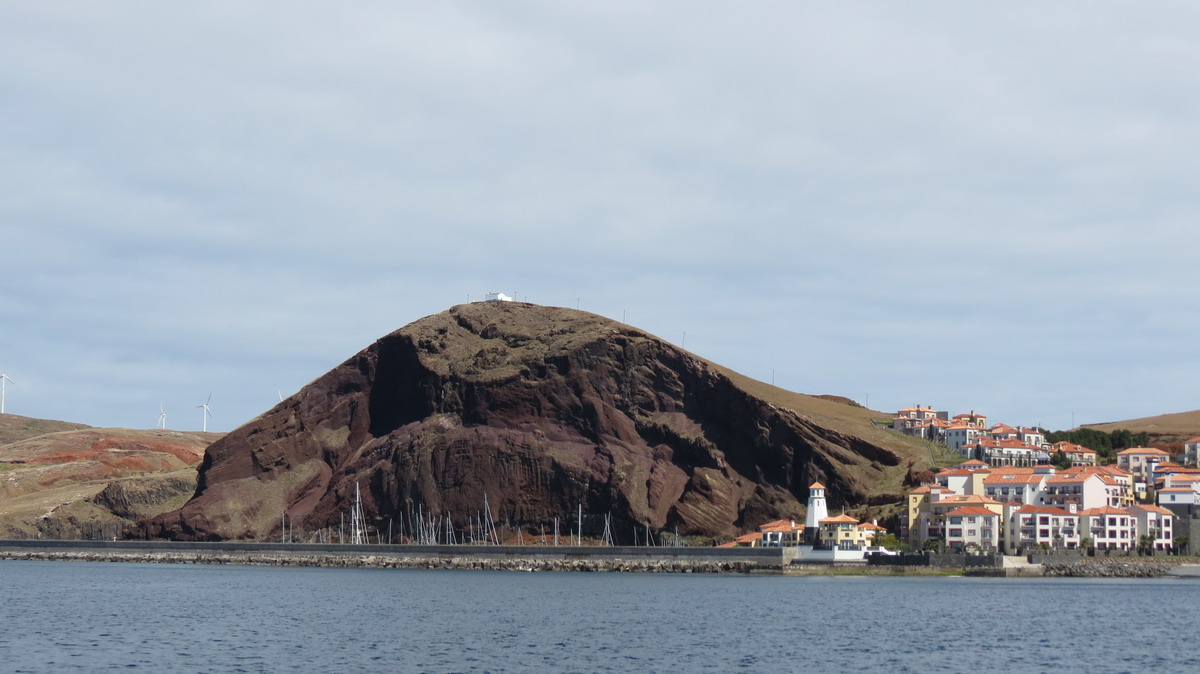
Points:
(892, 542)
(1106, 444)
(1061, 461)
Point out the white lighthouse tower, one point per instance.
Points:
(817, 511)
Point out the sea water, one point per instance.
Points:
(79, 616)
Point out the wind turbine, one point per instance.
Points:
(162, 417)
(205, 414)
(4, 379)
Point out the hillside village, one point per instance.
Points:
(1016, 493)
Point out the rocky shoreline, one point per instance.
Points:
(586, 561)
(399, 562)
(1123, 567)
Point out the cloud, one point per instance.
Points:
(984, 208)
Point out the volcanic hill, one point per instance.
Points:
(91, 482)
(540, 409)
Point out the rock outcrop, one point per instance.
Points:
(539, 409)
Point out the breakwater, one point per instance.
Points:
(494, 558)
(1109, 567)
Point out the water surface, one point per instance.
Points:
(78, 616)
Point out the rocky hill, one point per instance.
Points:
(92, 482)
(539, 409)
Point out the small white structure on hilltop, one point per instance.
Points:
(817, 511)
(497, 297)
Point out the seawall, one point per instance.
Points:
(483, 557)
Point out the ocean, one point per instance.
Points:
(92, 617)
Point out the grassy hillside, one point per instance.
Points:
(1176, 427)
(14, 428)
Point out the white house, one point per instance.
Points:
(1140, 461)
(1170, 496)
(497, 297)
(1022, 487)
(1191, 452)
(1109, 528)
(972, 526)
(1085, 490)
(1154, 522)
(960, 434)
(1044, 526)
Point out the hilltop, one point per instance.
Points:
(85, 482)
(540, 410)
(14, 428)
(1163, 428)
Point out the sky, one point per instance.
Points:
(987, 208)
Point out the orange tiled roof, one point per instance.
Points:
(839, 519)
(1104, 510)
(925, 488)
(1044, 510)
(973, 510)
(1013, 478)
(969, 499)
(816, 485)
(1153, 509)
(1142, 450)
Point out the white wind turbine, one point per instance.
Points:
(4, 379)
(205, 414)
(162, 417)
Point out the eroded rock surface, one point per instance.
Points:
(540, 409)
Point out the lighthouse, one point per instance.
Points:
(817, 511)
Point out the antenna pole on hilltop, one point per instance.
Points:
(684, 345)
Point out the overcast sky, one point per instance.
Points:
(964, 206)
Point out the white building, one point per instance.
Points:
(959, 435)
(1140, 461)
(1155, 522)
(497, 297)
(1044, 527)
(817, 511)
(1109, 528)
(1085, 490)
(972, 527)
(1171, 496)
(1191, 452)
(1022, 487)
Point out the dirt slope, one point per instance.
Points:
(94, 482)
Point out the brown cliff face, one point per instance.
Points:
(540, 409)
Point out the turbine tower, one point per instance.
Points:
(162, 417)
(4, 379)
(205, 414)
